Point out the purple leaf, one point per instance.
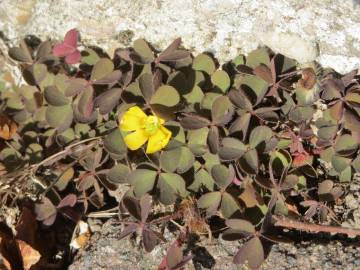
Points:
(133, 206)
(150, 239)
(129, 229)
(69, 200)
(68, 48)
(145, 204)
(252, 252)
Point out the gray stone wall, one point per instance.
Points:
(324, 30)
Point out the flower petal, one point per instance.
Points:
(132, 119)
(136, 139)
(159, 140)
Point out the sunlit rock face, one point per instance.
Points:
(307, 30)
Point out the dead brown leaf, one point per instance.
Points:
(7, 127)
(29, 255)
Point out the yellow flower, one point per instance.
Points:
(146, 128)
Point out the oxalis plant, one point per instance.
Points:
(236, 151)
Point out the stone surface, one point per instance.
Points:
(105, 251)
(322, 30)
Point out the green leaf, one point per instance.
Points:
(240, 225)
(340, 163)
(81, 129)
(239, 60)
(210, 201)
(142, 48)
(222, 111)
(172, 186)
(165, 95)
(210, 160)
(202, 179)
(228, 205)
(197, 140)
(346, 175)
(300, 114)
(179, 159)
(205, 63)
(345, 145)
(142, 180)
(35, 74)
(259, 134)
(304, 96)
(221, 176)
(20, 54)
(59, 117)
(35, 152)
(118, 174)
(64, 178)
(257, 57)
(101, 69)
(39, 72)
(255, 87)
(353, 98)
(280, 160)
(115, 145)
(66, 136)
(2, 86)
(89, 57)
(250, 161)
(178, 134)
(231, 149)
(221, 80)
(327, 133)
(208, 100)
(356, 164)
(195, 96)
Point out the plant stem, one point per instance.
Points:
(281, 221)
(63, 152)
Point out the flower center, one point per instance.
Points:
(151, 124)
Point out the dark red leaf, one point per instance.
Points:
(68, 48)
(264, 73)
(251, 252)
(69, 200)
(145, 204)
(129, 229)
(194, 122)
(133, 206)
(150, 239)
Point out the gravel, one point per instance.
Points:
(309, 252)
(105, 251)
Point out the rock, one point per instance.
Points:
(322, 30)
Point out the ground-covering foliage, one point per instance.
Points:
(168, 137)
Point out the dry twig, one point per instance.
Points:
(281, 221)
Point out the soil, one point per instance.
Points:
(308, 252)
(106, 251)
